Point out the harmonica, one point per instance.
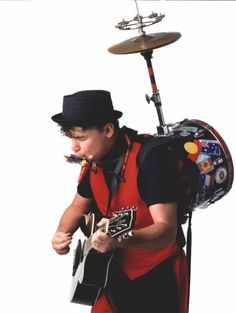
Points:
(72, 158)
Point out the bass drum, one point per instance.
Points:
(201, 147)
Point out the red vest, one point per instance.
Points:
(134, 262)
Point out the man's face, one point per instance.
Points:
(91, 143)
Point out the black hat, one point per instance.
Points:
(87, 106)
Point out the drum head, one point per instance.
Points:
(206, 161)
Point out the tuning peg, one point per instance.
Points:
(125, 236)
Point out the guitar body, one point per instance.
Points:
(85, 294)
(91, 268)
(90, 276)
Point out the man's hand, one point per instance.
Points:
(101, 241)
(61, 242)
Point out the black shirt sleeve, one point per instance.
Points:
(84, 188)
(157, 176)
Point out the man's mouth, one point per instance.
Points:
(72, 158)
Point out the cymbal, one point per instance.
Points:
(144, 42)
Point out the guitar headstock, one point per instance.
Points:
(121, 223)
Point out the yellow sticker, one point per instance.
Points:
(191, 147)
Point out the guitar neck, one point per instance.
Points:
(114, 227)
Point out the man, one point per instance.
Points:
(150, 273)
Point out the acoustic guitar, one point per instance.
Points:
(90, 267)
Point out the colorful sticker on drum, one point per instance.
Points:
(193, 149)
(206, 166)
(221, 175)
(206, 180)
(191, 129)
(184, 133)
(199, 133)
(210, 147)
(202, 157)
(218, 161)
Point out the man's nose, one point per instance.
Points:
(75, 145)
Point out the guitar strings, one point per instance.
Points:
(88, 241)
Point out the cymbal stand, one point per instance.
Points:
(140, 22)
(162, 129)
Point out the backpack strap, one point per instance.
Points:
(189, 251)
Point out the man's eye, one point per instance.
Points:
(80, 138)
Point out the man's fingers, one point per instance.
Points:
(102, 222)
(63, 251)
(61, 242)
(62, 248)
(61, 237)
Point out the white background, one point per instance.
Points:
(52, 48)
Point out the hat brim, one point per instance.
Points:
(60, 119)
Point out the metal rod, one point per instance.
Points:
(137, 10)
(140, 19)
(155, 96)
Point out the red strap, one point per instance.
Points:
(83, 172)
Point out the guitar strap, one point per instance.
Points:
(118, 172)
(115, 180)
